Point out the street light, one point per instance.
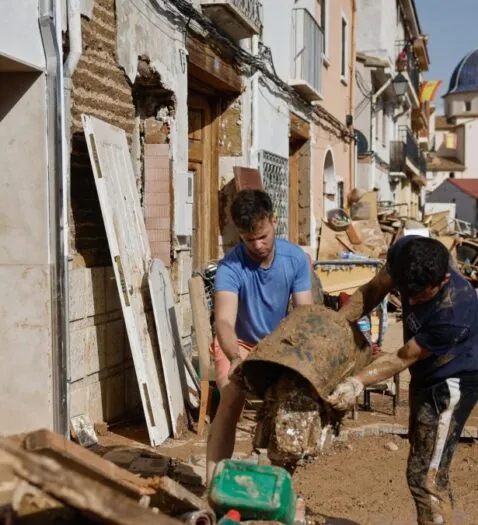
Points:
(400, 85)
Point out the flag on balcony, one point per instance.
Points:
(428, 90)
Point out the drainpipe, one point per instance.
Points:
(353, 148)
(70, 64)
(74, 33)
(254, 155)
(57, 214)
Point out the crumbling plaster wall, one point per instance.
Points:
(158, 33)
(103, 381)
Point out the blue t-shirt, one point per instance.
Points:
(446, 326)
(263, 293)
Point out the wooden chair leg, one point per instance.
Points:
(203, 406)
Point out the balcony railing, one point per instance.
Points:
(238, 18)
(409, 64)
(251, 9)
(405, 149)
(307, 61)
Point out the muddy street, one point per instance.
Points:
(362, 482)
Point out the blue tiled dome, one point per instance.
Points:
(465, 76)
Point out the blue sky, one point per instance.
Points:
(452, 27)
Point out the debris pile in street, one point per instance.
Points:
(45, 477)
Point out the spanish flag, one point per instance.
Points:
(428, 90)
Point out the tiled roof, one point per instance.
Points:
(442, 123)
(469, 186)
(444, 164)
(465, 76)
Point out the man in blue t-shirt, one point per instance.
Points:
(254, 283)
(440, 330)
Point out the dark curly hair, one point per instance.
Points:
(421, 263)
(250, 207)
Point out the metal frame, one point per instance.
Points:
(275, 178)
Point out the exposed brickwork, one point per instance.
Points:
(100, 87)
(157, 200)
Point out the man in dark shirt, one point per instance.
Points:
(440, 329)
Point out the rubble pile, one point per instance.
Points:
(293, 423)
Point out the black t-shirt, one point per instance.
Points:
(446, 326)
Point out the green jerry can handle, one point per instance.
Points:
(256, 492)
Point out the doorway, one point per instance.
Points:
(204, 163)
(330, 183)
(299, 181)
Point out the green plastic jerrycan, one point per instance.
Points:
(258, 492)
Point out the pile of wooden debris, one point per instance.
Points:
(46, 478)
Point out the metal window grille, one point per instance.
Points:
(275, 178)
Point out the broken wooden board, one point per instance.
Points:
(169, 494)
(77, 490)
(333, 242)
(373, 241)
(164, 493)
(169, 344)
(74, 456)
(130, 253)
(347, 278)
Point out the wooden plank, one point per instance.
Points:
(204, 161)
(174, 497)
(77, 490)
(210, 68)
(129, 247)
(174, 371)
(202, 325)
(202, 329)
(344, 280)
(346, 245)
(299, 128)
(213, 212)
(81, 459)
(294, 159)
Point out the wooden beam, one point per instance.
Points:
(210, 68)
(299, 128)
(89, 496)
(202, 329)
(46, 443)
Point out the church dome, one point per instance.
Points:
(465, 75)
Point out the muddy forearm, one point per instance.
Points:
(382, 368)
(362, 302)
(227, 338)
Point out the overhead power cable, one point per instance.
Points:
(258, 64)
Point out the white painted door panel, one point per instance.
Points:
(129, 247)
(169, 343)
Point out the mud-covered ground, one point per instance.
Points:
(362, 482)
(359, 481)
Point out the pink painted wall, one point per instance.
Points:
(336, 92)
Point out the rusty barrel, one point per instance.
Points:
(313, 341)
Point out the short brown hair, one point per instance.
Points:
(250, 207)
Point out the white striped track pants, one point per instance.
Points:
(438, 414)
